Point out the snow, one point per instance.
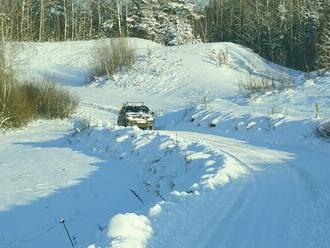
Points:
(229, 172)
(24, 180)
(155, 210)
(129, 230)
(324, 128)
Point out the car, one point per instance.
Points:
(136, 114)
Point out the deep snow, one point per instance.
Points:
(235, 172)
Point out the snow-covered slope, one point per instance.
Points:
(232, 172)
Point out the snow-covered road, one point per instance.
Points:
(269, 196)
(235, 172)
(265, 208)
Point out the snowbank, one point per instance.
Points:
(324, 128)
(129, 230)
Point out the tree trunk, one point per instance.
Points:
(99, 14)
(119, 19)
(72, 21)
(23, 18)
(41, 21)
(65, 20)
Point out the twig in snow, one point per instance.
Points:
(67, 232)
(101, 228)
(137, 196)
(148, 184)
(177, 141)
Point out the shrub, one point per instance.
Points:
(276, 111)
(21, 103)
(113, 55)
(50, 101)
(262, 85)
(219, 57)
(323, 130)
(257, 85)
(15, 110)
(285, 83)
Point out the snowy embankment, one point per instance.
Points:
(230, 172)
(126, 170)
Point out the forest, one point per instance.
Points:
(294, 33)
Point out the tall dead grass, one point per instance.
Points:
(22, 102)
(262, 85)
(113, 55)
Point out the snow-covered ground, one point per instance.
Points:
(234, 172)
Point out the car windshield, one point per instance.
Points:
(137, 109)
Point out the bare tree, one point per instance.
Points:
(119, 17)
(65, 14)
(41, 19)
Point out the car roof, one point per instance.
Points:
(134, 104)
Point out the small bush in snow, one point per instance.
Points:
(262, 85)
(276, 111)
(317, 110)
(21, 103)
(285, 83)
(49, 100)
(113, 55)
(323, 130)
(219, 57)
(15, 110)
(257, 85)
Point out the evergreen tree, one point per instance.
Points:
(141, 21)
(323, 45)
(176, 19)
(167, 22)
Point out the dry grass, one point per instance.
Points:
(257, 85)
(219, 57)
(21, 103)
(15, 110)
(50, 100)
(261, 85)
(113, 56)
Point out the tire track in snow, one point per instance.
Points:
(262, 212)
(109, 109)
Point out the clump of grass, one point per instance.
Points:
(113, 55)
(21, 103)
(50, 101)
(257, 85)
(219, 57)
(15, 110)
(262, 85)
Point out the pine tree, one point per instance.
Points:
(167, 22)
(176, 19)
(141, 21)
(323, 46)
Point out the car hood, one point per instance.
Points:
(140, 115)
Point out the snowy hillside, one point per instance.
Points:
(231, 171)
